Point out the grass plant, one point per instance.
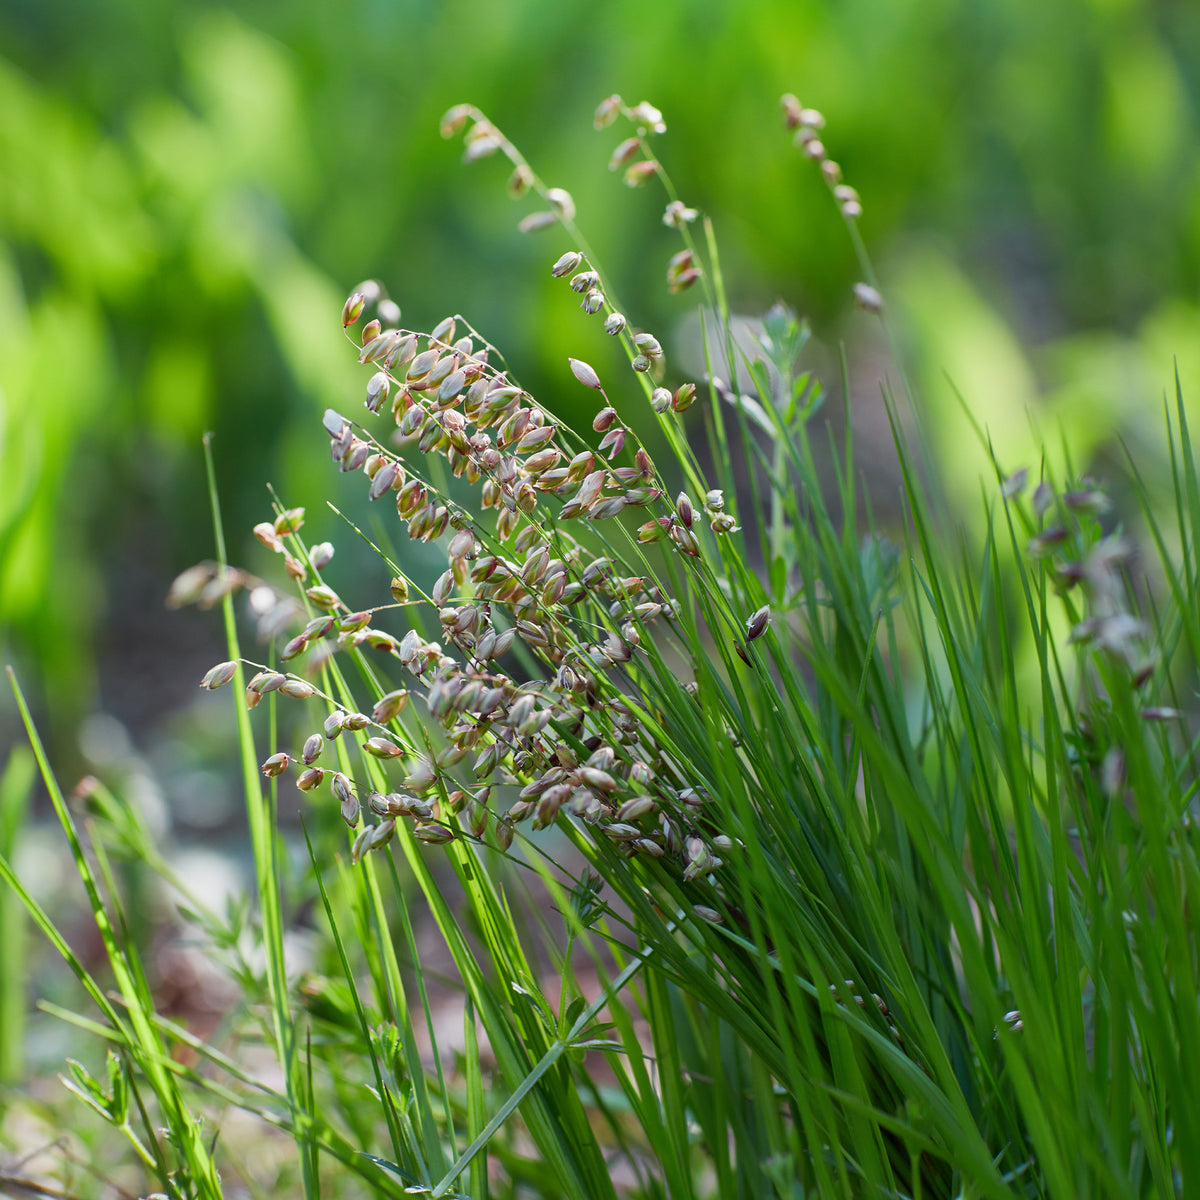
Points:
(869, 842)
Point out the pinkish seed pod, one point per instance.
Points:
(620, 832)
(289, 521)
(433, 833)
(219, 675)
(542, 461)
(614, 324)
(379, 387)
(462, 544)
(188, 585)
(641, 495)
(323, 597)
(371, 330)
(637, 173)
(443, 331)
(381, 835)
(296, 646)
(381, 805)
(562, 202)
(334, 724)
(265, 532)
(352, 622)
(603, 420)
(477, 819)
(683, 505)
(1014, 485)
(685, 539)
(682, 271)
(635, 809)
(362, 843)
(297, 689)
(535, 438)
(684, 397)
(867, 298)
(388, 707)
(360, 451)
(451, 387)
(520, 181)
(312, 749)
(606, 509)
(387, 475)
(613, 441)
(355, 721)
(584, 373)
(606, 113)
(660, 400)
(641, 363)
(566, 264)
(756, 626)
(677, 215)
(1088, 501)
(321, 555)
(352, 309)
(275, 765)
(310, 779)
(504, 834)
(334, 422)
(266, 681)
(454, 119)
(593, 302)
(382, 748)
(1159, 713)
(646, 114)
(423, 776)
(626, 151)
(537, 220)
(581, 464)
(1043, 498)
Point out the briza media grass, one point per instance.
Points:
(869, 838)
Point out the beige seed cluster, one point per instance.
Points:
(807, 125)
(567, 742)
(575, 739)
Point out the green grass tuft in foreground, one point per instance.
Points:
(775, 851)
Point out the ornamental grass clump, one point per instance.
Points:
(874, 849)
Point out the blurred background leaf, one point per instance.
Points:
(188, 192)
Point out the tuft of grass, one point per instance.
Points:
(767, 841)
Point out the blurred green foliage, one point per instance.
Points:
(188, 191)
